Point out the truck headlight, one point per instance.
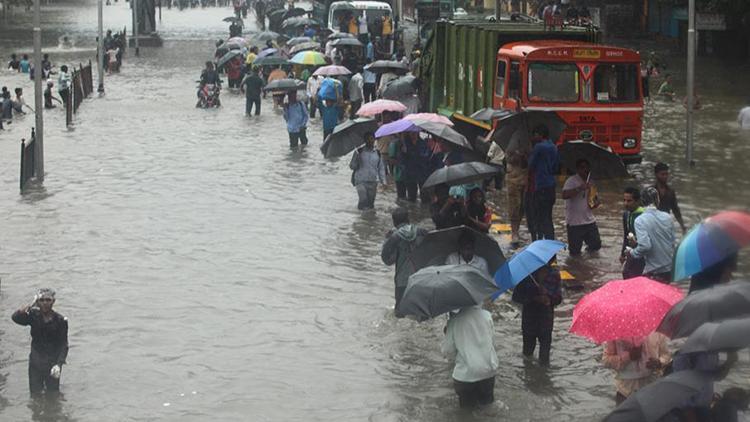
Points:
(629, 143)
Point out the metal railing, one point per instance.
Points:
(28, 160)
(81, 86)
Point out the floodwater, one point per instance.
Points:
(209, 273)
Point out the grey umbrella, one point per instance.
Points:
(400, 88)
(337, 35)
(285, 85)
(299, 22)
(434, 291)
(655, 400)
(266, 36)
(717, 303)
(304, 47)
(382, 66)
(514, 131)
(460, 174)
(730, 334)
(605, 164)
(298, 40)
(443, 132)
(438, 244)
(227, 57)
(488, 114)
(347, 41)
(347, 136)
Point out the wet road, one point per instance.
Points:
(210, 273)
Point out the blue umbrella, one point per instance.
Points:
(524, 263)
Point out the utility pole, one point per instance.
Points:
(498, 9)
(135, 27)
(102, 54)
(690, 82)
(38, 101)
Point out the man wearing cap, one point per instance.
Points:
(655, 233)
(49, 341)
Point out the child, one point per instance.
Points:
(112, 55)
(539, 293)
(48, 97)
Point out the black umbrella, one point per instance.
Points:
(657, 399)
(304, 47)
(266, 36)
(233, 19)
(438, 244)
(337, 35)
(276, 14)
(298, 40)
(352, 42)
(271, 61)
(297, 11)
(460, 174)
(348, 136)
(514, 131)
(299, 22)
(717, 303)
(285, 85)
(730, 334)
(227, 57)
(489, 114)
(383, 66)
(443, 132)
(605, 164)
(400, 88)
(437, 290)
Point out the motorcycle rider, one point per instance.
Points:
(209, 81)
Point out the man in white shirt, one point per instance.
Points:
(465, 254)
(578, 205)
(313, 85)
(744, 117)
(356, 93)
(469, 338)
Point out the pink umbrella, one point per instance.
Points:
(430, 117)
(623, 309)
(378, 106)
(332, 70)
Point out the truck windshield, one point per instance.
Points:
(616, 83)
(553, 82)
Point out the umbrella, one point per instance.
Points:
(234, 19)
(429, 117)
(267, 52)
(304, 47)
(655, 400)
(347, 41)
(489, 114)
(237, 40)
(332, 70)
(270, 61)
(234, 46)
(525, 262)
(285, 85)
(623, 309)
(382, 66)
(338, 35)
(278, 13)
(438, 244)
(378, 106)
(298, 22)
(514, 131)
(711, 241)
(399, 126)
(266, 36)
(400, 88)
(714, 304)
(227, 57)
(460, 174)
(308, 58)
(298, 40)
(730, 334)
(605, 164)
(347, 137)
(443, 132)
(296, 11)
(437, 290)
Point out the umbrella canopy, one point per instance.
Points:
(443, 132)
(332, 70)
(277, 13)
(227, 57)
(266, 36)
(338, 35)
(295, 11)
(382, 66)
(434, 291)
(233, 19)
(715, 238)
(438, 244)
(605, 164)
(304, 47)
(270, 61)
(267, 53)
(714, 304)
(514, 131)
(378, 106)
(237, 40)
(285, 85)
(429, 117)
(309, 58)
(460, 174)
(400, 88)
(623, 309)
(398, 126)
(730, 334)
(298, 40)
(353, 42)
(657, 399)
(525, 262)
(300, 21)
(347, 137)
(488, 114)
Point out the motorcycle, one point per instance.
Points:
(208, 96)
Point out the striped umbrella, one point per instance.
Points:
(309, 58)
(712, 240)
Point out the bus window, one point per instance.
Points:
(553, 82)
(514, 80)
(586, 90)
(616, 83)
(500, 82)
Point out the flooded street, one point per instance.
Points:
(209, 273)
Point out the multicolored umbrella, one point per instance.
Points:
(623, 309)
(332, 70)
(712, 240)
(309, 58)
(430, 117)
(378, 106)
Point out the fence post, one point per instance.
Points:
(23, 164)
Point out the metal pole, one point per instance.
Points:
(102, 54)
(690, 82)
(498, 7)
(38, 100)
(135, 27)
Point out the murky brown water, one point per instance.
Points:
(210, 274)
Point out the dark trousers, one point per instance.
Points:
(327, 132)
(249, 102)
(545, 344)
(473, 394)
(543, 202)
(528, 210)
(401, 190)
(313, 107)
(665, 278)
(295, 137)
(65, 96)
(633, 268)
(588, 233)
(369, 91)
(39, 378)
(398, 294)
(355, 105)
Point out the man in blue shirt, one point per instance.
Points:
(544, 162)
(295, 114)
(370, 50)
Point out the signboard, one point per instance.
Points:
(710, 22)
(586, 53)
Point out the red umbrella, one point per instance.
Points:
(623, 309)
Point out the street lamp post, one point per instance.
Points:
(38, 100)
(102, 54)
(690, 82)
(135, 27)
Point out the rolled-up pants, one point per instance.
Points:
(367, 192)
